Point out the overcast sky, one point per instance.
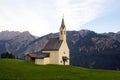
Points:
(41, 17)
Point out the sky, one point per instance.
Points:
(41, 17)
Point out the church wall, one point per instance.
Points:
(63, 51)
(53, 56)
(39, 61)
(42, 61)
(46, 60)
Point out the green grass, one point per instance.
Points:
(11, 69)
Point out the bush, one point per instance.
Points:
(7, 55)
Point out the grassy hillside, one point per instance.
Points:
(21, 70)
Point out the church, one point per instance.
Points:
(56, 51)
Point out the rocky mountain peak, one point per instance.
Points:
(6, 35)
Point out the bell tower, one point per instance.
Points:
(62, 33)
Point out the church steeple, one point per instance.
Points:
(62, 24)
(62, 33)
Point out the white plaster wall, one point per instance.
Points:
(53, 57)
(64, 51)
(39, 61)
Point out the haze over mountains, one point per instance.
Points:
(87, 48)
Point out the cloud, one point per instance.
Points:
(23, 15)
(44, 16)
(79, 12)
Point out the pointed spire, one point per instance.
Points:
(62, 34)
(62, 24)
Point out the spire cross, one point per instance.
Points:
(63, 16)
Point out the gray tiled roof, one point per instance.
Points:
(32, 55)
(53, 44)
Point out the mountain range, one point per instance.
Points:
(87, 48)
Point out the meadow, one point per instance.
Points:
(13, 69)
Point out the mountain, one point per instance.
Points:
(87, 48)
(6, 35)
(39, 43)
(115, 36)
(17, 43)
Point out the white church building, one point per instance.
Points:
(56, 51)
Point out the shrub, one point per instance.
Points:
(7, 55)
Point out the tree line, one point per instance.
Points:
(7, 55)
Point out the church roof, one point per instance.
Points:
(53, 44)
(32, 55)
